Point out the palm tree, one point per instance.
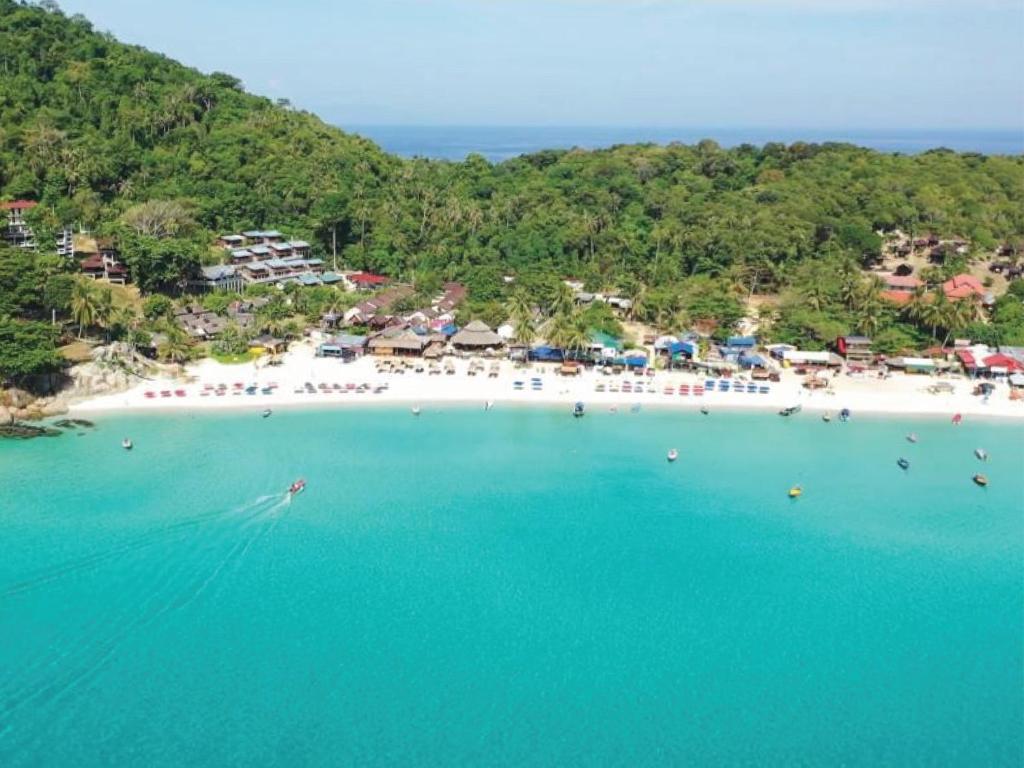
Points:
(104, 308)
(562, 300)
(176, 347)
(83, 305)
(960, 314)
(519, 305)
(935, 313)
(523, 331)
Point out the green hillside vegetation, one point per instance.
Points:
(131, 144)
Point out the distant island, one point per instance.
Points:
(124, 174)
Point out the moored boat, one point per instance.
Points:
(415, 410)
(791, 410)
(795, 492)
(297, 487)
(673, 454)
(577, 410)
(826, 417)
(127, 444)
(981, 480)
(981, 453)
(844, 415)
(705, 410)
(903, 463)
(912, 437)
(266, 413)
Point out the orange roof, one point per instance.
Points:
(962, 286)
(20, 205)
(897, 297)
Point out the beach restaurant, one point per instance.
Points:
(476, 336)
(398, 342)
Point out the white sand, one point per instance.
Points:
(901, 394)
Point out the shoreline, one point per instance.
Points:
(901, 395)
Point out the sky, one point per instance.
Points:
(852, 64)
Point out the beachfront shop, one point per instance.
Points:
(345, 347)
(924, 365)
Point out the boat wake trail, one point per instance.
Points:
(162, 535)
(173, 567)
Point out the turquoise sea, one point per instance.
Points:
(512, 588)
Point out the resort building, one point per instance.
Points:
(219, 277)
(66, 244)
(17, 232)
(105, 264)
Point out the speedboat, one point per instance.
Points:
(980, 480)
(791, 410)
(267, 412)
(795, 491)
(673, 455)
(126, 444)
(957, 418)
(912, 437)
(488, 405)
(704, 409)
(577, 410)
(844, 415)
(826, 417)
(297, 487)
(903, 463)
(981, 453)
(416, 410)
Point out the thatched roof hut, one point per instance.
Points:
(476, 335)
(399, 342)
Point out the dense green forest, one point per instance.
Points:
(100, 132)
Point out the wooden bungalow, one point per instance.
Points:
(398, 342)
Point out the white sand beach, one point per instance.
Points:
(334, 383)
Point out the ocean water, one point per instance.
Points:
(512, 588)
(499, 143)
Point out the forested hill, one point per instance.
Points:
(88, 123)
(92, 127)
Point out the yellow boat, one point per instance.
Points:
(795, 491)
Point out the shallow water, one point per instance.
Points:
(511, 588)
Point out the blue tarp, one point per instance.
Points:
(752, 361)
(747, 342)
(450, 330)
(636, 362)
(547, 354)
(684, 347)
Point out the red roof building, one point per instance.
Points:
(367, 280)
(962, 287)
(18, 205)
